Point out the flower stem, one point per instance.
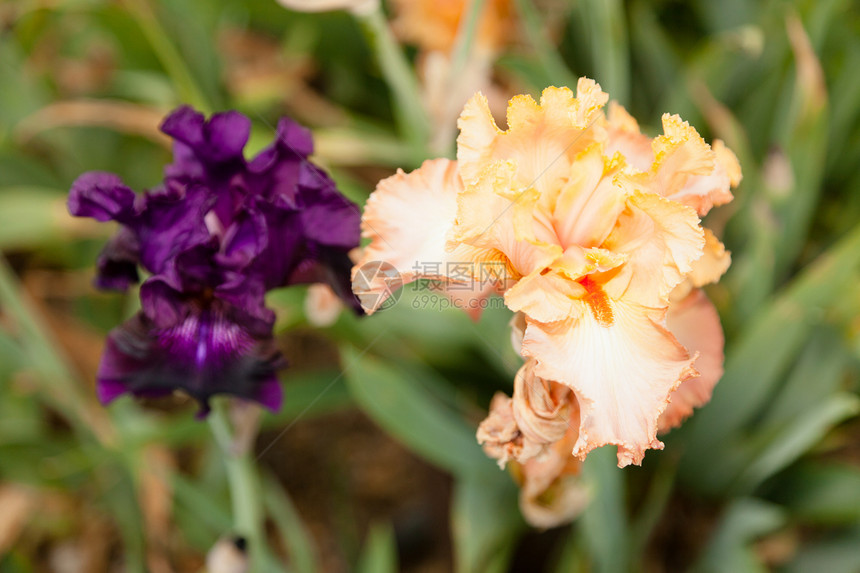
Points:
(547, 55)
(465, 39)
(244, 484)
(43, 354)
(168, 55)
(398, 73)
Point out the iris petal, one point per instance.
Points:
(101, 196)
(201, 145)
(203, 355)
(217, 234)
(117, 263)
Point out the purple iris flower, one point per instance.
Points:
(217, 234)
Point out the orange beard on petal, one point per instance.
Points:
(598, 301)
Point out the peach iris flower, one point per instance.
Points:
(536, 431)
(597, 227)
(433, 24)
(434, 27)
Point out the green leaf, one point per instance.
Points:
(395, 400)
(297, 540)
(121, 503)
(444, 331)
(845, 113)
(657, 64)
(380, 551)
(820, 492)
(533, 78)
(309, 394)
(356, 146)
(486, 522)
(18, 170)
(573, 557)
(824, 360)
(603, 23)
(654, 503)
(211, 512)
(30, 216)
(193, 27)
(804, 135)
(57, 383)
(724, 15)
(15, 562)
(764, 350)
(547, 54)
(604, 521)
(23, 93)
(838, 554)
(165, 49)
(410, 113)
(797, 437)
(60, 463)
(729, 548)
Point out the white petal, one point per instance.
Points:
(621, 373)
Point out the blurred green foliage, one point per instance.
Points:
(766, 476)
